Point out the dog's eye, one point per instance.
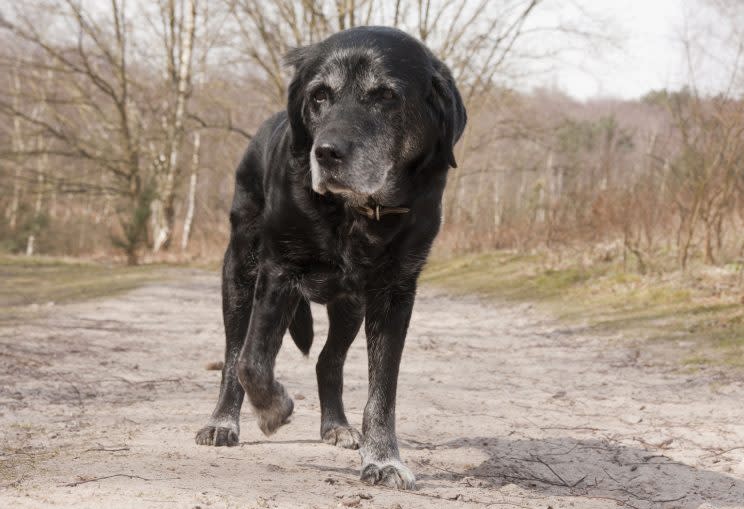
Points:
(320, 95)
(387, 94)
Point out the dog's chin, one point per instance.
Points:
(348, 195)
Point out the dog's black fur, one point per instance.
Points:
(372, 118)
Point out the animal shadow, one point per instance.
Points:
(598, 469)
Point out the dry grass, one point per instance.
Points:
(31, 285)
(702, 310)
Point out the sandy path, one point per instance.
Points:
(499, 406)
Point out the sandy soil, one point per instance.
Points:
(498, 406)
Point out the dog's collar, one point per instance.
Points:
(377, 211)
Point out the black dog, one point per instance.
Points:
(337, 201)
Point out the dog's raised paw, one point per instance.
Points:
(276, 414)
(343, 436)
(217, 436)
(394, 475)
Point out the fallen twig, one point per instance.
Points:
(566, 484)
(96, 479)
(534, 478)
(721, 453)
(539, 460)
(651, 500)
(104, 449)
(617, 500)
(570, 428)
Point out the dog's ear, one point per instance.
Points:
(296, 57)
(299, 59)
(449, 108)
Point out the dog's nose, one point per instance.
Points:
(330, 153)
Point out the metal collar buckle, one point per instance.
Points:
(378, 211)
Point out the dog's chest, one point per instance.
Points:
(347, 257)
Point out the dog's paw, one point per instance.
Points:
(393, 474)
(343, 436)
(217, 436)
(276, 414)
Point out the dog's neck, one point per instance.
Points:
(377, 211)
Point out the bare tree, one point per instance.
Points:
(479, 39)
(178, 37)
(93, 117)
(18, 147)
(711, 131)
(191, 199)
(98, 103)
(476, 37)
(103, 109)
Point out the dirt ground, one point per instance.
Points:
(498, 406)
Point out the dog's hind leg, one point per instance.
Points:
(238, 283)
(345, 317)
(274, 303)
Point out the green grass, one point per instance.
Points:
(31, 284)
(666, 309)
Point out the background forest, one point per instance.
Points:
(122, 123)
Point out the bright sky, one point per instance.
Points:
(650, 53)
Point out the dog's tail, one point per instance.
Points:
(301, 327)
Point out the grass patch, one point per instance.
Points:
(669, 309)
(32, 284)
(505, 275)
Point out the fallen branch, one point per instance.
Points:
(721, 453)
(651, 500)
(129, 476)
(565, 483)
(103, 449)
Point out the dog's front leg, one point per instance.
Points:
(274, 303)
(238, 285)
(387, 318)
(345, 316)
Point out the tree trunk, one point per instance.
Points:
(685, 247)
(41, 170)
(40, 182)
(450, 199)
(192, 195)
(132, 257)
(709, 258)
(30, 245)
(719, 231)
(166, 193)
(18, 147)
(14, 201)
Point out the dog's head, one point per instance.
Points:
(368, 104)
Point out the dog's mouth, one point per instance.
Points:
(342, 181)
(347, 194)
(350, 196)
(329, 185)
(333, 186)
